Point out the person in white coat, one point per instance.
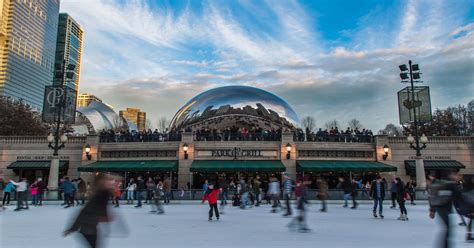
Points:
(131, 191)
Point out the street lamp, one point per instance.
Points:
(385, 150)
(87, 149)
(185, 149)
(288, 151)
(412, 74)
(56, 147)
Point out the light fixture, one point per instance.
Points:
(423, 139)
(403, 67)
(288, 151)
(185, 149)
(411, 139)
(63, 138)
(416, 76)
(404, 76)
(50, 138)
(385, 150)
(87, 149)
(415, 67)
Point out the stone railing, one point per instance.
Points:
(444, 140)
(38, 140)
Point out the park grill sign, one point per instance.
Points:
(236, 153)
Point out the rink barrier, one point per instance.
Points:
(197, 194)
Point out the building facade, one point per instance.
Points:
(200, 160)
(69, 49)
(135, 116)
(84, 99)
(28, 32)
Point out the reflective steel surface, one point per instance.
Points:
(98, 116)
(241, 106)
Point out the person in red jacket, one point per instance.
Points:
(211, 196)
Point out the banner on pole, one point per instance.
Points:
(57, 98)
(421, 104)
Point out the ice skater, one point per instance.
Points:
(211, 196)
(157, 207)
(94, 212)
(377, 192)
(301, 194)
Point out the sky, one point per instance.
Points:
(329, 59)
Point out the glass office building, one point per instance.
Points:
(69, 49)
(28, 32)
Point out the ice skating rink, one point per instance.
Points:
(187, 226)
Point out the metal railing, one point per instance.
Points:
(38, 140)
(197, 194)
(436, 140)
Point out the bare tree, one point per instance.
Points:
(332, 124)
(118, 123)
(148, 124)
(392, 130)
(162, 123)
(309, 123)
(354, 124)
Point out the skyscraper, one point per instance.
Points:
(135, 116)
(28, 31)
(69, 49)
(84, 99)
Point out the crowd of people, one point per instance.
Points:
(234, 133)
(334, 135)
(109, 136)
(246, 193)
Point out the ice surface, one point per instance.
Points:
(187, 226)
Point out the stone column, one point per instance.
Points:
(184, 165)
(52, 193)
(290, 164)
(420, 173)
(94, 142)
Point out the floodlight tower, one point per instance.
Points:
(412, 73)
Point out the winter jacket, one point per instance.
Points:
(41, 187)
(67, 187)
(373, 190)
(211, 196)
(9, 187)
(140, 185)
(34, 189)
(81, 187)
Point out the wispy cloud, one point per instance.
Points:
(158, 56)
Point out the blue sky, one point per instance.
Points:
(333, 59)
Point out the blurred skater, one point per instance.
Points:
(157, 207)
(21, 197)
(274, 192)
(7, 190)
(287, 192)
(94, 212)
(299, 221)
(117, 192)
(322, 193)
(211, 196)
(401, 199)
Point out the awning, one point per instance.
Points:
(342, 165)
(133, 165)
(36, 165)
(435, 165)
(237, 165)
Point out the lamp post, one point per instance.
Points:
(57, 141)
(87, 149)
(385, 151)
(288, 151)
(412, 73)
(185, 149)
